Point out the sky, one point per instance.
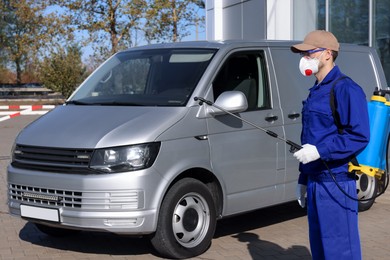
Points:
(199, 34)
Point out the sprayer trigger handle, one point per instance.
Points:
(293, 146)
(201, 100)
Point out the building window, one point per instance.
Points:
(347, 20)
(382, 34)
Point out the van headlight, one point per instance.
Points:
(125, 158)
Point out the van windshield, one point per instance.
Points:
(158, 77)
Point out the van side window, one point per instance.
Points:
(245, 72)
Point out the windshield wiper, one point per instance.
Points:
(106, 103)
(76, 102)
(120, 103)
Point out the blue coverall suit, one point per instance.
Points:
(332, 216)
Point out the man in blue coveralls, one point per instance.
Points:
(332, 216)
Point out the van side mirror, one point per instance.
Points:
(232, 101)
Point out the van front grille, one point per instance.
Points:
(88, 200)
(45, 197)
(52, 159)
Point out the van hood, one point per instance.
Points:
(99, 126)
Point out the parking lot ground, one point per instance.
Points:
(278, 232)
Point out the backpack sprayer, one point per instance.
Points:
(372, 160)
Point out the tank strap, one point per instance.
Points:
(336, 116)
(333, 104)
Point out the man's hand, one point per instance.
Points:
(307, 154)
(301, 195)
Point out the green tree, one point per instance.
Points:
(2, 36)
(63, 70)
(170, 20)
(105, 20)
(5, 75)
(25, 30)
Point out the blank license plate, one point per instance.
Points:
(39, 213)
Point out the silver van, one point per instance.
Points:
(132, 152)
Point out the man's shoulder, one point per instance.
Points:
(345, 85)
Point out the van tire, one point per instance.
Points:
(187, 220)
(367, 187)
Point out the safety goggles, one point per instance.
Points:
(310, 52)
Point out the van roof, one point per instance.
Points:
(231, 44)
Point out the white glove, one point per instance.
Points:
(301, 195)
(307, 154)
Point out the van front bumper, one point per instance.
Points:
(109, 202)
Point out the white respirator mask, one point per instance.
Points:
(309, 66)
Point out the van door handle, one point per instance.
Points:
(294, 115)
(271, 118)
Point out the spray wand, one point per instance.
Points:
(293, 146)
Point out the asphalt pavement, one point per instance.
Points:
(278, 232)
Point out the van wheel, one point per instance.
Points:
(187, 220)
(56, 232)
(367, 187)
